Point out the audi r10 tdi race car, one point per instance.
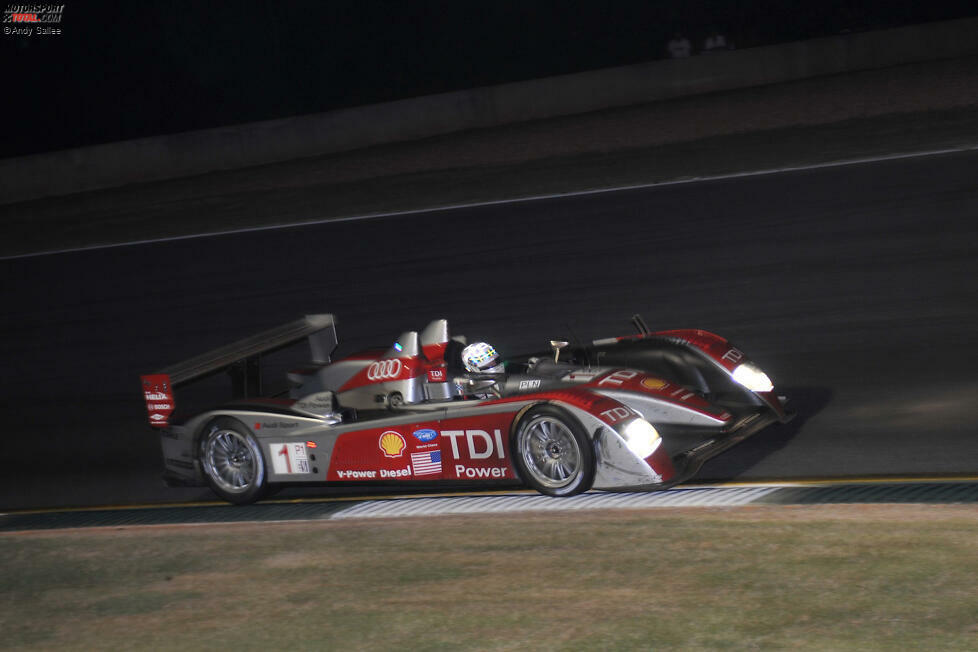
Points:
(640, 412)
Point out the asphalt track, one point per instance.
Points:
(854, 287)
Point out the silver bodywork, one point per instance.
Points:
(617, 466)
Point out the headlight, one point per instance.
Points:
(642, 438)
(750, 376)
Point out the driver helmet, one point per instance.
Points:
(481, 358)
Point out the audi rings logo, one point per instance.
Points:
(384, 370)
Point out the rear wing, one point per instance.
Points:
(242, 360)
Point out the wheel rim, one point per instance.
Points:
(550, 452)
(231, 460)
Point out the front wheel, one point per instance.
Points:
(232, 461)
(553, 452)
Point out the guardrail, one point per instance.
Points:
(225, 148)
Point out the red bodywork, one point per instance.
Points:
(464, 448)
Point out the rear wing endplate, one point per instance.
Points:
(242, 359)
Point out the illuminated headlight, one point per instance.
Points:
(642, 438)
(750, 376)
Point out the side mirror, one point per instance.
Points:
(557, 346)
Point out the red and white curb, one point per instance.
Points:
(514, 503)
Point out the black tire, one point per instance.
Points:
(553, 453)
(232, 461)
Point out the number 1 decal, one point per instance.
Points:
(289, 458)
(285, 451)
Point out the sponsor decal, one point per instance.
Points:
(425, 435)
(320, 403)
(392, 443)
(373, 474)
(616, 414)
(681, 393)
(384, 369)
(356, 475)
(158, 395)
(733, 356)
(437, 376)
(428, 463)
(479, 443)
(486, 473)
(581, 376)
(618, 378)
(529, 384)
(276, 424)
(289, 458)
(653, 383)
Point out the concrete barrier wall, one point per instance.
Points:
(191, 153)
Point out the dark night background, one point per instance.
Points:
(124, 70)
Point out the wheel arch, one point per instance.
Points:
(205, 420)
(573, 410)
(211, 422)
(571, 416)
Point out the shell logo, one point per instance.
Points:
(654, 383)
(392, 443)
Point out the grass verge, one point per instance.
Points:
(814, 577)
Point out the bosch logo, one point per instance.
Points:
(384, 370)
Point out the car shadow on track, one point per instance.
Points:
(730, 465)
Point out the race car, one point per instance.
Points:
(640, 412)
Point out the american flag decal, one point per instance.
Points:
(427, 463)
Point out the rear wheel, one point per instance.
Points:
(232, 461)
(553, 452)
